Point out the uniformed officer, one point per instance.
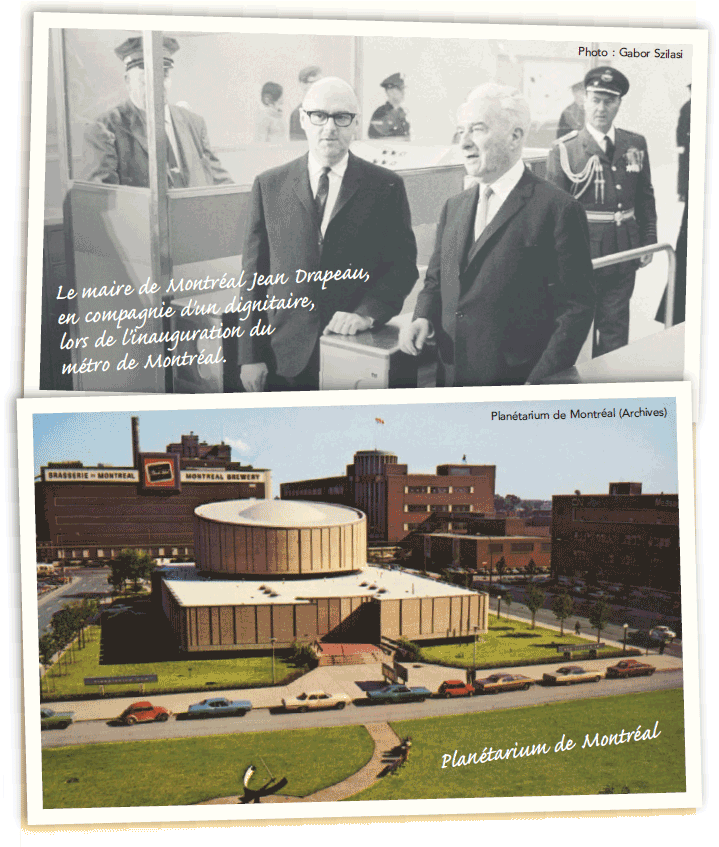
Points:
(116, 143)
(683, 126)
(390, 119)
(308, 77)
(607, 170)
(573, 116)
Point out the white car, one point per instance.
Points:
(662, 633)
(570, 674)
(315, 700)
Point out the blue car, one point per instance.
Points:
(398, 693)
(220, 707)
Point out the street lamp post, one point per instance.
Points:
(626, 627)
(272, 640)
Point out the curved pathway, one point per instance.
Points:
(384, 740)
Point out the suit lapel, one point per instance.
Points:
(301, 186)
(463, 235)
(350, 183)
(621, 144)
(516, 200)
(135, 124)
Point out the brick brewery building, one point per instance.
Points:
(91, 513)
(624, 536)
(395, 501)
(277, 572)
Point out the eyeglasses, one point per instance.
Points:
(341, 119)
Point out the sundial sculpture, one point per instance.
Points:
(253, 795)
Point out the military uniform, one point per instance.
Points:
(389, 122)
(618, 198)
(683, 127)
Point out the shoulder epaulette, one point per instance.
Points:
(567, 137)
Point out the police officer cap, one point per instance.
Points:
(307, 73)
(394, 81)
(608, 80)
(131, 55)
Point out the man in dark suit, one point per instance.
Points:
(116, 143)
(607, 170)
(508, 292)
(328, 227)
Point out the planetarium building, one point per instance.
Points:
(280, 571)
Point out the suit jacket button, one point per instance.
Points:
(618, 187)
(614, 167)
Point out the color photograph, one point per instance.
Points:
(286, 609)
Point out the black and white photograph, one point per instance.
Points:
(230, 208)
(375, 603)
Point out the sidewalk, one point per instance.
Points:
(332, 679)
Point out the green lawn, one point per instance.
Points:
(65, 680)
(508, 641)
(190, 770)
(650, 766)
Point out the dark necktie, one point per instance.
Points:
(609, 150)
(323, 189)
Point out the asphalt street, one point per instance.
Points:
(86, 582)
(359, 712)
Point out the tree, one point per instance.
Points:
(531, 569)
(132, 565)
(599, 617)
(534, 600)
(505, 598)
(500, 567)
(562, 606)
(48, 647)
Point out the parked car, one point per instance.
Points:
(455, 688)
(315, 700)
(662, 633)
(219, 706)
(502, 682)
(569, 674)
(397, 693)
(55, 720)
(629, 667)
(143, 711)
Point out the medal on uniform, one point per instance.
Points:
(635, 160)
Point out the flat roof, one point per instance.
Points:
(542, 538)
(279, 513)
(191, 589)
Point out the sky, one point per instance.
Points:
(534, 458)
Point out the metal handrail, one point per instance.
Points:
(637, 253)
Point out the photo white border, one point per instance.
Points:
(691, 798)
(44, 21)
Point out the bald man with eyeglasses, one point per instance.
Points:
(326, 213)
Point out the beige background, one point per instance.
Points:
(590, 829)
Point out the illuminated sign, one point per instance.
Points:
(160, 472)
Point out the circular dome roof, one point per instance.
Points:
(278, 513)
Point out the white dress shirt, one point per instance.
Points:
(335, 175)
(501, 189)
(600, 136)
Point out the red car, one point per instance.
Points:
(143, 711)
(629, 667)
(455, 688)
